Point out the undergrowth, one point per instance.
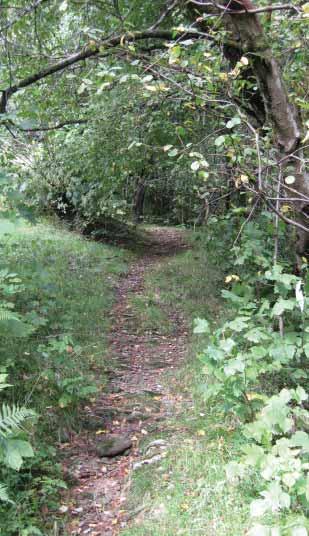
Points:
(221, 477)
(187, 493)
(59, 288)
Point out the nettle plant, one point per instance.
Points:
(266, 339)
(278, 450)
(66, 387)
(262, 348)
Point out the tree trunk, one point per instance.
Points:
(139, 198)
(203, 214)
(250, 40)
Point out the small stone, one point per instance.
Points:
(137, 416)
(112, 445)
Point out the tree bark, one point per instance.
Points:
(139, 198)
(271, 102)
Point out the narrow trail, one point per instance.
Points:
(137, 403)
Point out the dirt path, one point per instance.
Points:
(136, 404)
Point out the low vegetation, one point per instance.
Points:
(238, 449)
(56, 295)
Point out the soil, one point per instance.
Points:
(136, 403)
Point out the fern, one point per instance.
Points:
(13, 449)
(12, 417)
(6, 315)
(4, 494)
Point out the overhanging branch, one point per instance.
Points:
(57, 126)
(226, 10)
(95, 50)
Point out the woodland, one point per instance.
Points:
(154, 249)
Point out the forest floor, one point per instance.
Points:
(137, 402)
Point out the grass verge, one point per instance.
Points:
(64, 289)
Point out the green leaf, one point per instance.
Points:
(239, 324)
(228, 295)
(219, 141)
(276, 498)
(4, 497)
(300, 439)
(234, 366)
(201, 326)
(233, 122)
(15, 451)
(283, 352)
(254, 454)
(227, 345)
(180, 131)
(300, 394)
(258, 352)
(256, 335)
(283, 305)
(13, 459)
(258, 508)
(23, 447)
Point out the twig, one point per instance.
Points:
(246, 221)
(284, 218)
(54, 127)
(276, 249)
(165, 14)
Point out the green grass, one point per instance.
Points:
(66, 294)
(187, 493)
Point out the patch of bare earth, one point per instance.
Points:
(138, 402)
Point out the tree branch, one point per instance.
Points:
(95, 50)
(165, 14)
(226, 10)
(54, 127)
(284, 218)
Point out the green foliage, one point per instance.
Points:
(13, 449)
(58, 289)
(171, 116)
(278, 451)
(260, 348)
